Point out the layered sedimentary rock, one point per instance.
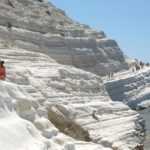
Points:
(61, 107)
(47, 102)
(131, 88)
(40, 26)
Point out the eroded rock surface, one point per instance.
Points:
(131, 88)
(66, 104)
(40, 26)
(53, 98)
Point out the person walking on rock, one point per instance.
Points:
(137, 67)
(2, 71)
(141, 64)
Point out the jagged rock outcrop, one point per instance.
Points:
(40, 26)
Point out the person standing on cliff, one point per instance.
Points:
(2, 71)
(141, 64)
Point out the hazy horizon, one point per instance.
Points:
(125, 21)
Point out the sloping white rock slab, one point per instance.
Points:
(131, 88)
(47, 93)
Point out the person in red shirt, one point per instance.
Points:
(2, 71)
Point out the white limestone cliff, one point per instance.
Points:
(40, 26)
(53, 97)
(52, 104)
(132, 88)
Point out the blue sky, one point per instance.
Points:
(126, 21)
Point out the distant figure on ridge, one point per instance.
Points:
(148, 64)
(137, 67)
(110, 75)
(2, 71)
(141, 64)
(9, 26)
